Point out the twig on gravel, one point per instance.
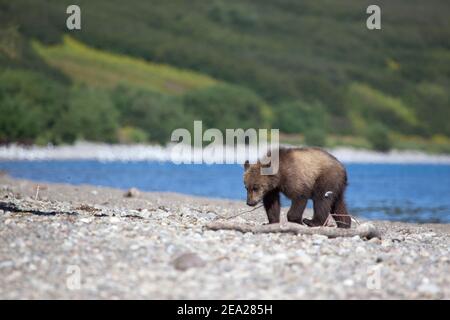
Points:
(356, 220)
(344, 215)
(37, 193)
(326, 223)
(10, 206)
(365, 230)
(236, 215)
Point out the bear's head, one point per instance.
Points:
(257, 184)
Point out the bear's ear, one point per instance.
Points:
(246, 165)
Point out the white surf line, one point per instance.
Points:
(350, 155)
(139, 152)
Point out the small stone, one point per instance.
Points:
(346, 243)
(408, 260)
(386, 243)
(349, 283)
(429, 234)
(171, 249)
(134, 247)
(85, 220)
(360, 250)
(303, 258)
(188, 260)
(424, 253)
(375, 240)
(317, 239)
(114, 219)
(132, 193)
(6, 264)
(13, 276)
(429, 289)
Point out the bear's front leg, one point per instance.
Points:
(272, 205)
(295, 213)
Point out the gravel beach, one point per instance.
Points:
(84, 242)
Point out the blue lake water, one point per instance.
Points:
(416, 193)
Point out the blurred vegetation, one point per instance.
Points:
(89, 115)
(96, 68)
(131, 135)
(154, 113)
(226, 106)
(139, 69)
(30, 104)
(378, 136)
(300, 116)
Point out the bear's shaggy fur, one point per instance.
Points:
(304, 173)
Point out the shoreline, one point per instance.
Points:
(27, 188)
(154, 245)
(139, 152)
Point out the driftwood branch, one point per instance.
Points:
(365, 230)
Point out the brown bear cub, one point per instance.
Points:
(304, 173)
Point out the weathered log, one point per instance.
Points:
(364, 230)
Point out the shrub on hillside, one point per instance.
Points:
(226, 106)
(301, 117)
(155, 114)
(132, 135)
(29, 105)
(378, 136)
(367, 105)
(19, 121)
(432, 103)
(315, 137)
(89, 115)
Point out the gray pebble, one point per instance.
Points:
(132, 193)
(188, 260)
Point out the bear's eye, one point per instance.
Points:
(255, 188)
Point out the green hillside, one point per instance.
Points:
(310, 68)
(97, 68)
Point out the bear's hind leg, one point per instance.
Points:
(295, 212)
(340, 214)
(322, 209)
